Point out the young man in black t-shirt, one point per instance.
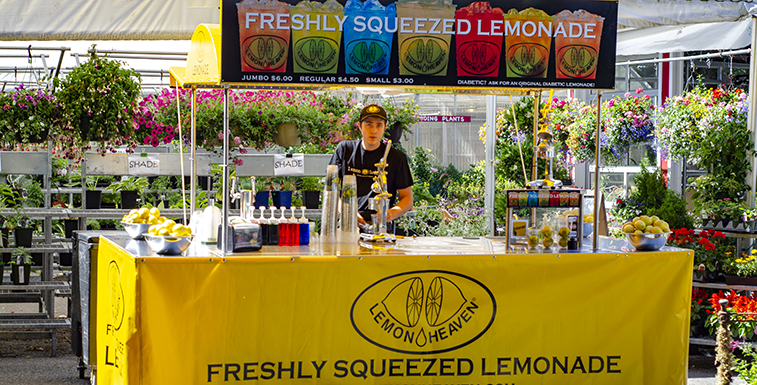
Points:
(359, 158)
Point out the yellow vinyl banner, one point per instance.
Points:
(116, 305)
(514, 319)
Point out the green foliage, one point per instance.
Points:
(465, 219)
(430, 181)
(129, 183)
(103, 94)
(747, 367)
(34, 195)
(19, 256)
(509, 135)
(673, 210)
(650, 188)
(28, 115)
(652, 197)
(311, 183)
(92, 182)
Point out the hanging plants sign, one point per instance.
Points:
(455, 44)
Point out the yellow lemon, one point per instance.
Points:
(163, 231)
(155, 212)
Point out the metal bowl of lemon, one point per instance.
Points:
(647, 241)
(136, 230)
(137, 222)
(167, 244)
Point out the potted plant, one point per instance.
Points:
(93, 196)
(742, 270)
(281, 196)
(21, 266)
(28, 117)
(400, 117)
(263, 188)
(98, 98)
(310, 188)
(130, 188)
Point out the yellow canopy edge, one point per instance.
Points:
(177, 76)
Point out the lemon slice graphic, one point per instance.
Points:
(404, 302)
(443, 301)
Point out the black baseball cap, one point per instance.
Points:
(373, 110)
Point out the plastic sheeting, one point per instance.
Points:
(681, 38)
(654, 13)
(104, 19)
(645, 26)
(652, 26)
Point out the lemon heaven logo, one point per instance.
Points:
(265, 52)
(367, 56)
(316, 54)
(424, 55)
(423, 312)
(479, 57)
(527, 59)
(577, 61)
(116, 294)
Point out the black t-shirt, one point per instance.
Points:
(353, 159)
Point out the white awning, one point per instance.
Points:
(688, 37)
(652, 26)
(104, 19)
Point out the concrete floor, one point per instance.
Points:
(28, 362)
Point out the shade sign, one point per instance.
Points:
(421, 43)
(288, 164)
(142, 164)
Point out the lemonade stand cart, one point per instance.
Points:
(429, 310)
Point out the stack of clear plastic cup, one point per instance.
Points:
(330, 204)
(349, 205)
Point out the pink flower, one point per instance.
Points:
(237, 140)
(639, 91)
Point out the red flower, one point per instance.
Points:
(709, 247)
(619, 201)
(718, 234)
(703, 241)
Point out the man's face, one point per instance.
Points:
(372, 129)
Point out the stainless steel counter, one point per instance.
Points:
(351, 247)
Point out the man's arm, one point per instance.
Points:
(404, 205)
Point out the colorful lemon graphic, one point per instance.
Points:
(478, 58)
(527, 59)
(367, 56)
(264, 52)
(577, 61)
(424, 55)
(315, 54)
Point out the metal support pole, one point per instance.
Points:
(535, 161)
(225, 187)
(751, 124)
(491, 140)
(597, 194)
(193, 156)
